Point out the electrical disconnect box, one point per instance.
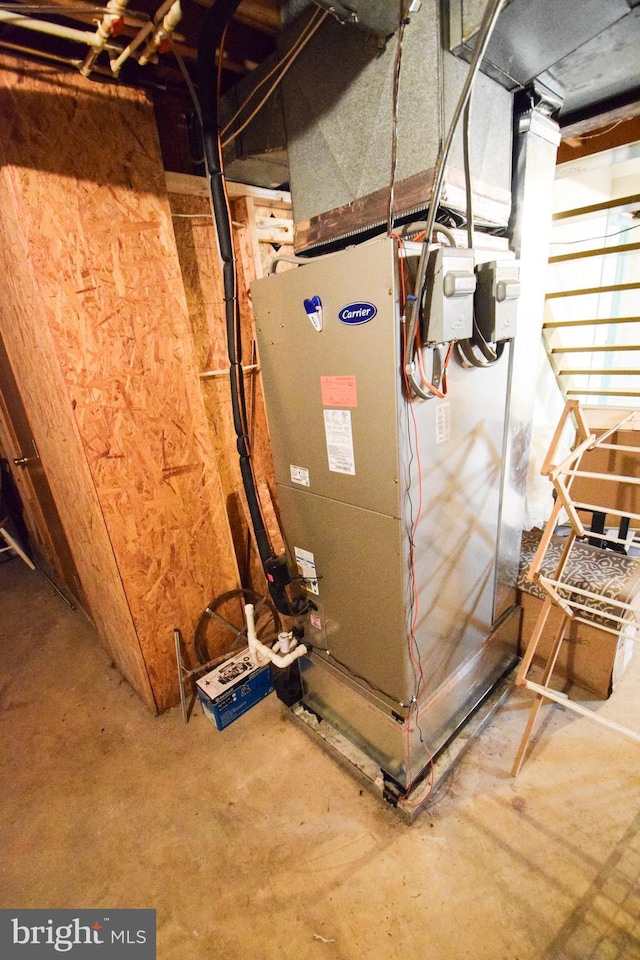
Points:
(452, 282)
(496, 299)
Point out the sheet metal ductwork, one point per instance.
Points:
(340, 131)
(584, 50)
(379, 17)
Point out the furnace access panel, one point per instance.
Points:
(345, 447)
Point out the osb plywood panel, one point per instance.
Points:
(199, 262)
(250, 268)
(97, 227)
(199, 258)
(200, 265)
(34, 359)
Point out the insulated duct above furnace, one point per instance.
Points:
(258, 155)
(379, 17)
(341, 136)
(338, 99)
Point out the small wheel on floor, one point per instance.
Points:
(222, 628)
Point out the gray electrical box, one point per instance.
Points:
(496, 300)
(452, 282)
(390, 510)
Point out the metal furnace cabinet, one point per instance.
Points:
(391, 510)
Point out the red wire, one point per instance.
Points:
(444, 368)
(430, 387)
(415, 659)
(418, 345)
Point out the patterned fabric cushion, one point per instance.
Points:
(611, 575)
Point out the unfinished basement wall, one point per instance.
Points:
(262, 229)
(95, 321)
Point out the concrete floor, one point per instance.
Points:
(255, 843)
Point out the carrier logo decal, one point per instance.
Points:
(357, 313)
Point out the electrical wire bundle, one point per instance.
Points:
(280, 69)
(211, 40)
(416, 381)
(419, 386)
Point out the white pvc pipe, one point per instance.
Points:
(260, 653)
(284, 644)
(53, 29)
(142, 35)
(116, 10)
(162, 32)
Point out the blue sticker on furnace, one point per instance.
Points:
(356, 313)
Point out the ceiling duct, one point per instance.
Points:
(379, 17)
(585, 50)
(338, 100)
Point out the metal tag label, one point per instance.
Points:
(357, 313)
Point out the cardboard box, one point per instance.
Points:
(232, 688)
(592, 658)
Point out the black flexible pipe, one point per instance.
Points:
(276, 569)
(210, 40)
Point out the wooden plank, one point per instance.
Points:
(202, 278)
(620, 394)
(250, 268)
(32, 352)
(185, 184)
(619, 203)
(591, 322)
(412, 194)
(604, 418)
(535, 708)
(274, 230)
(250, 259)
(608, 348)
(201, 271)
(582, 711)
(262, 14)
(265, 249)
(592, 134)
(588, 291)
(95, 226)
(600, 252)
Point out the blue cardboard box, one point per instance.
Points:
(232, 688)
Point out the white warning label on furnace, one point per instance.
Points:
(315, 620)
(339, 437)
(306, 564)
(299, 475)
(443, 422)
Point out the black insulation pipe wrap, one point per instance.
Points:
(275, 568)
